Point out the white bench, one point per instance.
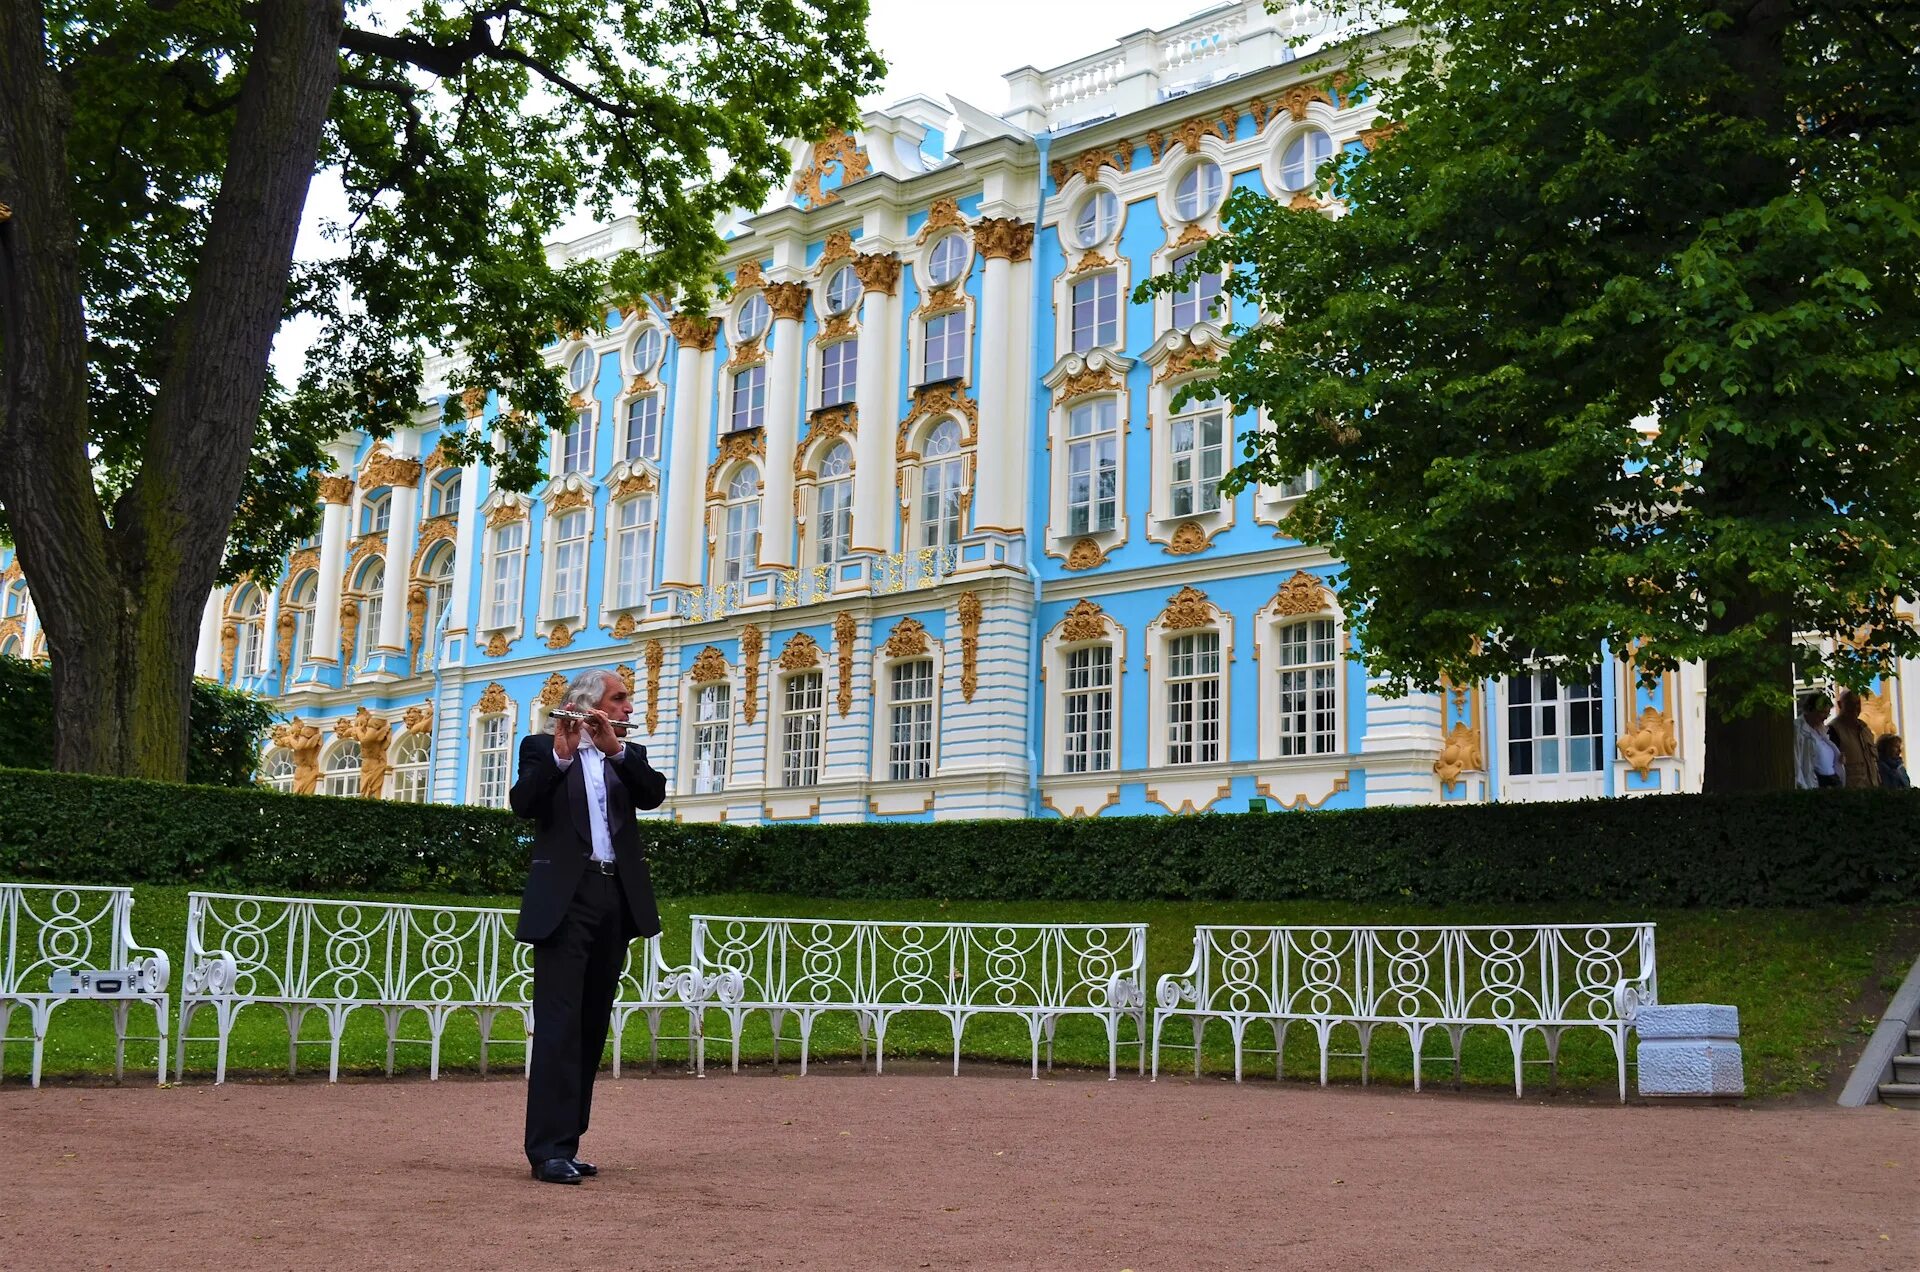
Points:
(339, 957)
(1038, 972)
(51, 928)
(1518, 979)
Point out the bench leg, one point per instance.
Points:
(1140, 1040)
(1237, 1031)
(160, 1005)
(1049, 1022)
(179, 1044)
(1280, 1049)
(1366, 1052)
(1619, 1033)
(1517, 1035)
(296, 1017)
(1457, 1033)
(336, 1026)
(223, 1014)
(778, 1017)
(806, 1039)
(880, 1043)
(120, 1009)
(654, 1015)
(436, 1025)
(1199, 1036)
(6, 1013)
(1325, 1030)
(39, 1017)
(959, 1023)
(1415, 1033)
(1159, 1019)
(483, 1021)
(1113, 1046)
(618, 1033)
(734, 1021)
(1033, 1037)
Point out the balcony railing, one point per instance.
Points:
(815, 585)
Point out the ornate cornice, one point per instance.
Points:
(1189, 132)
(788, 301)
(746, 354)
(384, 469)
(694, 331)
(336, 490)
(637, 482)
(1004, 238)
(879, 272)
(301, 561)
(438, 458)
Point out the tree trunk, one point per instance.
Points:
(1748, 750)
(121, 602)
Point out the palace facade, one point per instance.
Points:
(907, 526)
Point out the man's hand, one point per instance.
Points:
(600, 729)
(566, 738)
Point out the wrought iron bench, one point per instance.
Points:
(1516, 979)
(49, 929)
(338, 957)
(876, 970)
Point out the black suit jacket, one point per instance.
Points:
(555, 800)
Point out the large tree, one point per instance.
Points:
(1617, 339)
(155, 160)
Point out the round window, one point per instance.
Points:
(1094, 223)
(948, 258)
(754, 316)
(647, 350)
(1300, 162)
(843, 290)
(1199, 190)
(580, 371)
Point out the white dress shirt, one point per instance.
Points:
(595, 773)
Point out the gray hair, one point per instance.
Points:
(588, 690)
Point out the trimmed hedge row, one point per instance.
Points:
(1786, 849)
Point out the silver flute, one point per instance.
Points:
(561, 713)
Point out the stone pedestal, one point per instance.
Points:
(1690, 1049)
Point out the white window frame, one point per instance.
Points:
(1057, 651)
(954, 338)
(376, 511)
(739, 526)
(956, 464)
(443, 493)
(647, 452)
(342, 783)
(1111, 438)
(565, 585)
(1564, 782)
(1159, 662)
(880, 754)
(573, 446)
(1073, 239)
(831, 529)
(439, 586)
(743, 415)
(935, 249)
(505, 723)
(1096, 280)
(411, 781)
(1291, 183)
(276, 769)
(711, 733)
(1090, 747)
(1205, 301)
(619, 533)
(912, 738)
(803, 726)
(839, 374)
(372, 598)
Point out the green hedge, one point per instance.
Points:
(1790, 849)
(225, 726)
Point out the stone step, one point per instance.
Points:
(1906, 1068)
(1913, 1042)
(1902, 1095)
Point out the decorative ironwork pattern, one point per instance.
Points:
(1037, 972)
(1516, 979)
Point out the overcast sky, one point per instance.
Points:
(928, 49)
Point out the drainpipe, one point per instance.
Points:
(1036, 518)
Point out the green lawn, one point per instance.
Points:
(1795, 975)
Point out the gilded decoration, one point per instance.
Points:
(969, 644)
(336, 490)
(750, 645)
(787, 301)
(836, 147)
(1461, 750)
(567, 499)
(1085, 621)
(493, 699)
(626, 677)
(1876, 712)
(709, 665)
(1188, 609)
(623, 627)
(907, 639)
(1295, 100)
(1184, 361)
(474, 402)
(1301, 594)
(639, 385)
(374, 734)
(1090, 260)
(1189, 132)
(553, 692)
(385, 469)
(656, 654)
(438, 459)
(879, 272)
(838, 327)
(505, 514)
(639, 482)
(1372, 137)
(936, 400)
(694, 331)
(734, 447)
(840, 421)
(747, 277)
(497, 645)
(1118, 156)
(1090, 380)
(418, 719)
(939, 300)
(1649, 737)
(1303, 202)
(846, 629)
(416, 618)
(945, 214)
(1188, 538)
(288, 623)
(305, 741)
(367, 545)
(799, 653)
(435, 528)
(229, 642)
(838, 247)
(560, 637)
(12, 573)
(1004, 238)
(1085, 554)
(349, 625)
(304, 559)
(1192, 234)
(746, 354)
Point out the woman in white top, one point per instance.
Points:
(1816, 760)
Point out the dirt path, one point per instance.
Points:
(919, 1170)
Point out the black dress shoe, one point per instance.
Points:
(585, 1168)
(557, 1170)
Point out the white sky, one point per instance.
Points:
(928, 49)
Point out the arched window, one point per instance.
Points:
(437, 573)
(580, 371)
(249, 614)
(376, 511)
(410, 756)
(342, 775)
(443, 495)
(369, 589)
(833, 520)
(1300, 162)
(942, 477)
(750, 323)
(299, 602)
(740, 546)
(648, 347)
(11, 647)
(276, 769)
(15, 603)
(1199, 190)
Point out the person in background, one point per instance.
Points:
(1893, 763)
(1855, 740)
(1816, 760)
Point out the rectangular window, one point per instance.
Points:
(1093, 468)
(743, 540)
(1193, 699)
(509, 567)
(1553, 725)
(803, 706)
(940, 503)
(1199, 460)
(910, 713)
(749, 398)
(493, 762)
(1088, 710)
(643, 427)
(835, 529)
(946, 356)
(1197, 303)
(576, 445)
(712, 722)
(1294, 487)
(368, 637)
(632, 551)
(569, 566)
(839, 369)
(1096, 312)
(1309, 697)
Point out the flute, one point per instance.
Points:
(561, 713)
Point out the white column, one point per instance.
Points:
(270, 636)
(998, 492)
(30, 626)
(873, 475)
(466, 547)
(336, 493)
(788, 302)
(403, 529)
(685, 528)
(206, 656)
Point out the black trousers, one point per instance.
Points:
(576, 975)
